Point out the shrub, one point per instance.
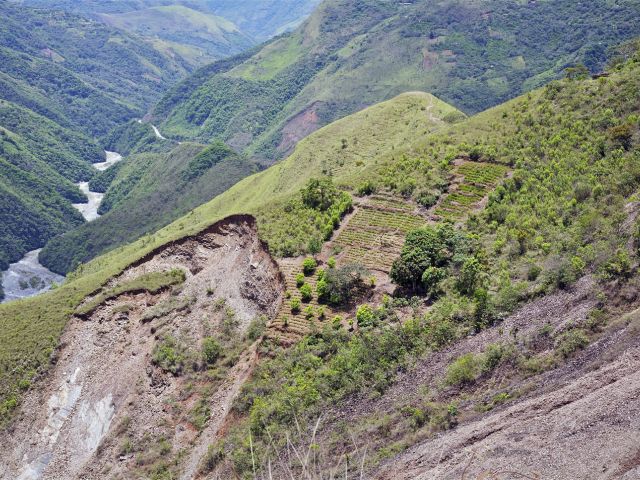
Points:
(427, 199)
(431, 279)
(319, 194)
(168, 355)
(424, 248)
(366, 188)
(470, 275)
(309, 266)
(299, 280)
(462, 371)
(306, 292)
(309, 312)
(331, 263)
(533, 273)
(341, 285)
(619, 266)
(211, 350)
(295, 305)
(365, 316)
(257, 328)
(570, 342)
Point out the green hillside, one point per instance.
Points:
(573, 149)
(35, 201)
(352, 54)
(144, 193)
(78, 72)
(41, 162)
(194, 35)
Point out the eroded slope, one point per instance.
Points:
(127, 374)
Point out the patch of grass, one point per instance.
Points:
(149, 282)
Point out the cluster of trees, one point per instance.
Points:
(304, 223)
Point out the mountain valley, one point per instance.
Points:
(395, 240)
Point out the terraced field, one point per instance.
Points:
(373, 236)
(472, 183)
(289, 326)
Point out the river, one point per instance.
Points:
(28, 277)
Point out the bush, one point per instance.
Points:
(570, 342)
(309, 266)
(300, 280)
(211, 350)
(619, 266)
(257, 328)
(431, 279)
(366, 188)
(306, 292)
(365, 316)
(295, 305)
(424, 248)
(462, 371)
(169, 356)
(470, 276)
(341, 285)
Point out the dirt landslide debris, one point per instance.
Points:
(107, 404)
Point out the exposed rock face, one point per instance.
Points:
(106, 388)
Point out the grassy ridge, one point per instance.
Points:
(352, 54)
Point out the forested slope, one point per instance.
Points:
(352, 54)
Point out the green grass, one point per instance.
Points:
(150, 282)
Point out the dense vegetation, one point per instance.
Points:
(562, 214)
(572, 148)
(352, 54)
(145, 192)
(78, 72)
(35, 200)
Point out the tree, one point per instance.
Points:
(424, 248)
(341, 285)
(319, 194)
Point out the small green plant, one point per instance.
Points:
(169, 356)
(462, 371)
(295, 305)
(309, 312)
(306, 292)
(571, 341)
(257, 328)
(309, 266)
(331, 263)
(300, 280)
(365, 316)
(211, 350)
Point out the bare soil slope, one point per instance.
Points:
(108, 393)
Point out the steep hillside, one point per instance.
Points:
(507, 298)
(198, 31)
(352, 54)
(196, 36)
(79, 73)
(144, 193)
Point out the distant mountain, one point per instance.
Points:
(199, 31)
(79, 72)
(352, 54)
(263, 19)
